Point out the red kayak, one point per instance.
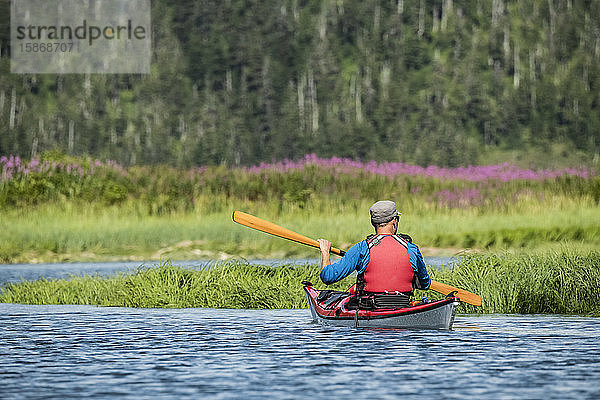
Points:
(330, 307)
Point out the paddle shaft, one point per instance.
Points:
(268, 227)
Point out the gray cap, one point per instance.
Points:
(383, 211)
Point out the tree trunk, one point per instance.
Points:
(71, 136)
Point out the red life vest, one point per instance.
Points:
(389, 268)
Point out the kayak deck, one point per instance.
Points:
(434, 315)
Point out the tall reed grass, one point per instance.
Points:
(224, 285)
(562, 282)
(558, 282)
(58, 233)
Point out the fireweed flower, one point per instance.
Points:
(12, 167)
(503, 172)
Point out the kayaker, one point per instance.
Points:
(387, 263)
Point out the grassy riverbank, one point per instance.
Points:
(69, 233)
(65, 209)
(559, 282)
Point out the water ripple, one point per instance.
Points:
(82, 351)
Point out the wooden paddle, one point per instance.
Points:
(269, 227)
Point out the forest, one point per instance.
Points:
(236, 82)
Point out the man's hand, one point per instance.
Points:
(325, 246)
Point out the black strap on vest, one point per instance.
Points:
(373, 301)
(404, 236)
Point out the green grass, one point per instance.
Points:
(561, 282)
(80, 209)
(67, 232)
(558, 282)
(225, 285)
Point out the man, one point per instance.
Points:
(386, 263)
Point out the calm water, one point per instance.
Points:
(18, 272)
(83, 351)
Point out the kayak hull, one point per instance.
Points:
(435, 315)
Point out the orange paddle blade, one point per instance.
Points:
(462, 294)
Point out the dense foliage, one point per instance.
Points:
(226, 285)
(441, 82)
(62, 208)
(303, 184)
(563, 282)
(559, 282)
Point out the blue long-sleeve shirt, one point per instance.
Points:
(357, 258)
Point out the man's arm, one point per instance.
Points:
(420, 270)
(354, 259)
(325, 246)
